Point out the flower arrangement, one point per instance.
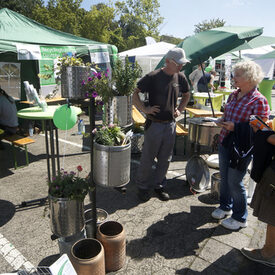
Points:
(121, 83)
(99, 86)
(110, 135)
(69, 185)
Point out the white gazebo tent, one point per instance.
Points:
(148, 56)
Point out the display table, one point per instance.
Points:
(200, 99)
(52, 149)
(193, 112)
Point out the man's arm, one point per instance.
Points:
(183, 103)
(140, 105)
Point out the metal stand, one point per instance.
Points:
(52, 153)
(92, 193)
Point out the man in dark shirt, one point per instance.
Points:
(163, 87)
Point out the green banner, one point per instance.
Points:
(49, 57)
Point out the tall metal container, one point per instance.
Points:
(71, 79)
(118, 110)
(66, 216)
(111, 165)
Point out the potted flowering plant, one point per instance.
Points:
(66, 199)
(109, 135)
(111, 156)
(69, 185)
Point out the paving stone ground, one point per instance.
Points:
(174, 237)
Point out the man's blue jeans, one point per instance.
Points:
(232, 190)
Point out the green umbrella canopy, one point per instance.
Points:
(256, 42)
(214, 42)
(270, 55)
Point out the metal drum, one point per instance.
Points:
(118, 110)
(71, 81)
(67, 216)
(203, 132)
(111, 165)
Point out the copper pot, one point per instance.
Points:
(112, 236)
(87, 257)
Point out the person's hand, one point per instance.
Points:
(177, 113)
(228, 125)
(152, 110)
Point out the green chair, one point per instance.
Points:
(265, 88)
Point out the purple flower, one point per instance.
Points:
(99, 76)
(56, 187)
(86, 94)
(83, 83)
(89, 79)
(107, 70)
(94, 94)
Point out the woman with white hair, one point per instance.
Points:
(236, 142)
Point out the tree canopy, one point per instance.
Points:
(209, 24)
(124, 23)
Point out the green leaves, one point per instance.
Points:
(125, 76)
(109, 135)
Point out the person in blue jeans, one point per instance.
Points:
(236, 142)
(163, 87)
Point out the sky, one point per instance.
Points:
(181, 16)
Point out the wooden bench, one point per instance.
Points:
(139, 119)
(19, 141)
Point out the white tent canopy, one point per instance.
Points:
(148, 56)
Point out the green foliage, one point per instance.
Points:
(24, 7)
(63, 15)
(125, 76)
(210, 24)
(109, 135)
(69, 185)
(98, 23)
(170, 39)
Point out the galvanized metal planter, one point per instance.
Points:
(66, 216)
(111, 165)
(137, 141)
(118, 110)
(71, 79)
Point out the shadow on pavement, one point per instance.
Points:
(231, 263)
(176, 236)
(7, 212)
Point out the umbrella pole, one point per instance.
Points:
(213, 113)
(92, 193)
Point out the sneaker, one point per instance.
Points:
(162, 195)
(232, 224)
(256, 256)
(219, 214)
(143, 195)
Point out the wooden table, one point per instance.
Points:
(200, 113)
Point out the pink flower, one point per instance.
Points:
(94, 131)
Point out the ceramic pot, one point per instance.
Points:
(112, 236)
(87, 257)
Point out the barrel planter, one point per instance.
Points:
(66, 216)
(87, 257)
(112, 236)
(111, 165)
(71, 81)
(118, 110)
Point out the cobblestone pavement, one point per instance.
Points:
(174, 237)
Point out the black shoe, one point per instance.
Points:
(162, 195)
(143, 195)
